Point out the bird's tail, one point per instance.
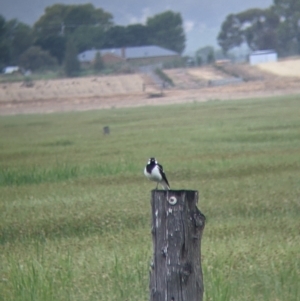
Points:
(165, 185)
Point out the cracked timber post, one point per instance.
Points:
(177, 226)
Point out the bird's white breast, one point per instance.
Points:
(155, 174)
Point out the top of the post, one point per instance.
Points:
(174, 194)
(172, 191)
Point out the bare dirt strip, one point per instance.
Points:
(106, 92)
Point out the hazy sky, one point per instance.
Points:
(202, 18)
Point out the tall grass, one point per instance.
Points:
(75, 210)
(58, 173)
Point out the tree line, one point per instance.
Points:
(76, 28)
(277, 27)
(65, 30)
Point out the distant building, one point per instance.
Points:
(11, 69)
(262, 56)
(142, 55)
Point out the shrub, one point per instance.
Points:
(72, 65)
(35, 58)
(98, 63)
(164, 77)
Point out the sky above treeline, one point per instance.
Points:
(202, 19)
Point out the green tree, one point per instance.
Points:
(166, 30)
(51, 23)
(256, 27)
(199, 60)
(15, 38)
(98, 62)
(137, 35)
(287, 8)
(72, 64)
(122, 36)
(83, 23)
(54, 44)
(60, 19)
(116, 36)
(86, 14)
(276, 27)
(4, 44)
(259, 28)
(86, 37)
(205, 54)
(210, 57)
(34, 58)
(230, 35)
(288, 33)
(2, 26)
(19, 38)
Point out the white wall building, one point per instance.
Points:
(262, 56)
(11, 69)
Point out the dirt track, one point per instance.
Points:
(126, 91)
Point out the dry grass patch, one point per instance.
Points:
(207, 73)
(287, 68)
(72, 88)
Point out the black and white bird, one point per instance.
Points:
(154, 172)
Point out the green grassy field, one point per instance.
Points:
(75, 205)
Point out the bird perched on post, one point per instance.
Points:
(154, 172)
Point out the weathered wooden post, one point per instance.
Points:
(177, 226)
